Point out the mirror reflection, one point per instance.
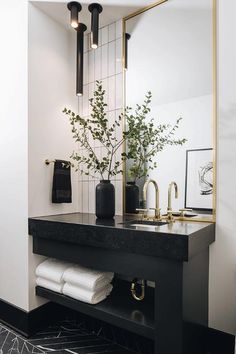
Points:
(169, 100)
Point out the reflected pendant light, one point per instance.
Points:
(127, 37)
(95, 10)
(74, 8)
(80, 58)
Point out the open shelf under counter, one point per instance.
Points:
(119, 309)
(175, 256)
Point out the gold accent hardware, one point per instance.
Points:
(157, 213)
(215, 112)
(169, 208)
(157, 206)
(144, 211)
(133, 290)
(172, 184)
(47, 162)
(170, 216)
(144, 9)
(182, 212)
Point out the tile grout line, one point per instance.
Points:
(97, 64)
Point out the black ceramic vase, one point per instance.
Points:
(131, 197)
(105, 200)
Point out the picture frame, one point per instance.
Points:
(199, 179)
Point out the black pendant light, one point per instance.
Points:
(127, 37)
(74, 8)
(80, 58)
(95, 10)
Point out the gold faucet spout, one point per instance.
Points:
(157, 203)
(171, 185)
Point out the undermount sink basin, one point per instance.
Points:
(145, 223)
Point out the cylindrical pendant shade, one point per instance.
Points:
(95, 10)
(80, 59)
(74, 8)
(127, 37)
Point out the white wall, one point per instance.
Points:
(13, 154)
(196, 127)
(170, 53)
(51, 88)
(223, 252)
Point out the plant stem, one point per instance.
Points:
(111, 159)
(116, 147)
(117, 166)
(92, 151)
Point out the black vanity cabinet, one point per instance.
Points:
(174, 256)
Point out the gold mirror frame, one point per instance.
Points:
(212, 218)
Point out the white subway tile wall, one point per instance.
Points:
(105, 64)
(104, 35)
(111, 58)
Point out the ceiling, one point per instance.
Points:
(113, 10)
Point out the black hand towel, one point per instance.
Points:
(61, 188)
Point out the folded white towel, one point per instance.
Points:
(52, 269)
(84, 295)
(49, 284)
(90, 279)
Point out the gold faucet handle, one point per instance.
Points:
(157, 212)
(170, 215)
(183, 211)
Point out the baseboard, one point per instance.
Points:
(27, 323)
(204, 340)
(220, 342)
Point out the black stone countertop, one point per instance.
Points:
(178, 240)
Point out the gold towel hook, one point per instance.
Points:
(134, 288)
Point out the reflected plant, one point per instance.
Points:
(145, 139)
(97, 129)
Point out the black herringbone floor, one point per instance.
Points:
(66, 337)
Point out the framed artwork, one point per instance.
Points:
(199, 179)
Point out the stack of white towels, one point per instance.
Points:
(73, 280)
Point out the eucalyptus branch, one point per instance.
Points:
(119, 145)
(146, 140)
(94, 155)
(96, 125)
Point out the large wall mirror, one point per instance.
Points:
(169, 59)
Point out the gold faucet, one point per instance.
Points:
(157, 205)
(169, 209)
